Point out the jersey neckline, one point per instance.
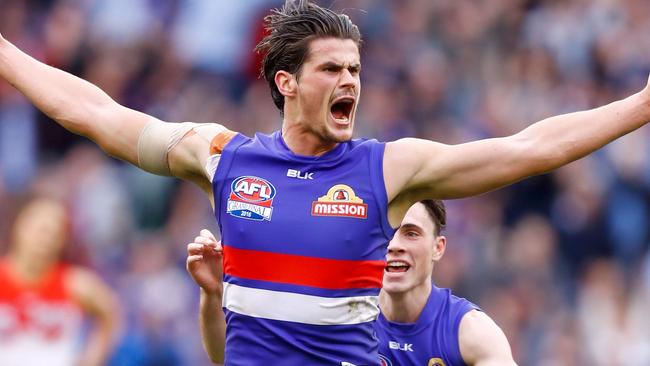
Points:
(429, 312)
(284, 150)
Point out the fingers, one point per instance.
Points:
(208, 234)
(191, 263)
(201, 249)
(204, 240)
(194, 258)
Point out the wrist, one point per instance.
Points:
(643, 102)
(212, 294)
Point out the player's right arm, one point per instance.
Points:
(74, 103)
(204, 263)
(84, 109)
(482, 342)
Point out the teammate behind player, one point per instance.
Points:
(43, 301)
(419, 323)
(292, 295)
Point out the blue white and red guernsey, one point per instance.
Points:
(304, 243)
(432, 340)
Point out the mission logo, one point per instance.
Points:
(340, 201)
(251, 198)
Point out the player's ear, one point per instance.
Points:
(439, 247)
(286, 83)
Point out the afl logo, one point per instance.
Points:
(251, 198)
(384, 361)
(253, 189)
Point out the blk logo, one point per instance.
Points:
(402, 347)
(292, 173)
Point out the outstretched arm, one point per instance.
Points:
(75, 104)
(100, 303)
(432, 170)
(482, 342)
(84, 109)
(204, 263)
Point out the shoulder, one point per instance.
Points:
(481, 340)
(79, 279)
(85, 286)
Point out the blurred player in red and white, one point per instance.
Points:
(43, 301)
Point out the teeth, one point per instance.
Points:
(397, 264)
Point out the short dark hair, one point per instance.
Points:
(438, 214)
(290, 30)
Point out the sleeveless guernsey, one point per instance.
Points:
(432, 340)
(40, 324)
(304, 243)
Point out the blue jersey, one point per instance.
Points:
(304, 243)
(432, 340)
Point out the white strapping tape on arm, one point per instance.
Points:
(158, 138)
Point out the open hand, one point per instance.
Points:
(205, 262)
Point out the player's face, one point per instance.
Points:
(412, 253)
(40, 230)
(329, 88)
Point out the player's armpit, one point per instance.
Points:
(482, 342)
(183, 151)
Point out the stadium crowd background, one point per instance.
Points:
(559, 261)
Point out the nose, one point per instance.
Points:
(348, 80)
(395, 246)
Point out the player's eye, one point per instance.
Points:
(412, 234)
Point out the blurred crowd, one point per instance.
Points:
(559, 261)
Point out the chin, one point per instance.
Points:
(340, 135)
(395, 287)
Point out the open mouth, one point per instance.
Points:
(397, 267)
(341, 109)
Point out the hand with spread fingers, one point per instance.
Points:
(204, 262)
(205, 265)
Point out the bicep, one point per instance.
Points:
(455, 171)
(482, 342)
(148, 143)
(118, 130)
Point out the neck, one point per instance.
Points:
(28, 269)
(404, 307)
(302, 141)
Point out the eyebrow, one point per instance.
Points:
(410, 226)
(355, 66)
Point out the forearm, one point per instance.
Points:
(101, 304)
(213, 326)
(74, 103)
(62, 96)
(562, 139)
(100, 343)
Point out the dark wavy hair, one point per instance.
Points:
(290, 30)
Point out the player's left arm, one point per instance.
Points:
(418, 169)
(205, 264)
(482, 342)
(100, 303)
